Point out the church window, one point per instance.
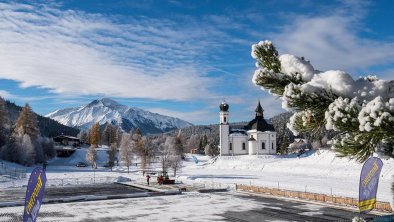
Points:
(231, 146)
(224, 119)
(272, 145)
(263, 146)
(243, 146)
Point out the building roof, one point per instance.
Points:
(259, 110)
(66, 137)
(251, 138)
(224, 107)
(259, 123)
(238, 131)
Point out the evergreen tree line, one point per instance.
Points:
(98, 135)
(22, 142)
(47, 126)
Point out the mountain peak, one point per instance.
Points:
(105, 102)
(109, 102)
(107, 110)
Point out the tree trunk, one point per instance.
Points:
(392, 197)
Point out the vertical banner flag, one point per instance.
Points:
(369, 180)
(34, 194)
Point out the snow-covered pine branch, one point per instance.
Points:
(362, 110)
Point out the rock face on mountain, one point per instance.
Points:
(107, 110)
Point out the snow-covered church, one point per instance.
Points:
(257, 137)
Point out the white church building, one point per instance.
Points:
(257, 137)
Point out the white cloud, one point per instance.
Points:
(74, 53)
(6, 94)
(198, 116)
(333, 41)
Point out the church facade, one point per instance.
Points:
(257, 137)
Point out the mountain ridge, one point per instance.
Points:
(48, 127)
(107, 110)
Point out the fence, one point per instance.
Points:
(382, 206)
(11, 176)
(79, 181)
(12, 172)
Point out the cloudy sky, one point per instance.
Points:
(179, 58)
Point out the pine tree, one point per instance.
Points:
(112, 155)
(91, 156)
(284, 145)
(27, 132)
(107, 134)
(27, 123)
(12, 151)
(211, 150)
(3, 123)
(202, 144)
(29, 155)
(94, 135)
(113, 137)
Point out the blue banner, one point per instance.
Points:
(195, 159)
(34, 194)
(369, 180)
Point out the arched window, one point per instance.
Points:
(272, 145)
(243, 146)
(263, 146)
(231, 146)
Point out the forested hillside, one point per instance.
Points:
(47, 126)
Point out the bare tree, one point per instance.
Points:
(193, 142)
(176, 163)
(178, 144)
(126, 150)
(91, 156)
(169, 157)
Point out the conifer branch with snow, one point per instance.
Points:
(361, 110)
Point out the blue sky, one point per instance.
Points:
(179, 58)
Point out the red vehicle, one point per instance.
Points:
(164, 179)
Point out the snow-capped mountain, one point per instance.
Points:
(107, 110)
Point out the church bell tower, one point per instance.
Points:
(224, 129)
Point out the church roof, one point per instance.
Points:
(259, 109)
(224, 107)
(259, 123)
(238, 131)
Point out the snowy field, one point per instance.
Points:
(186, 207)
(319, 172)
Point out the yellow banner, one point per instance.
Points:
(367, 204)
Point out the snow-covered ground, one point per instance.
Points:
(320, 172)
(186, 207)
